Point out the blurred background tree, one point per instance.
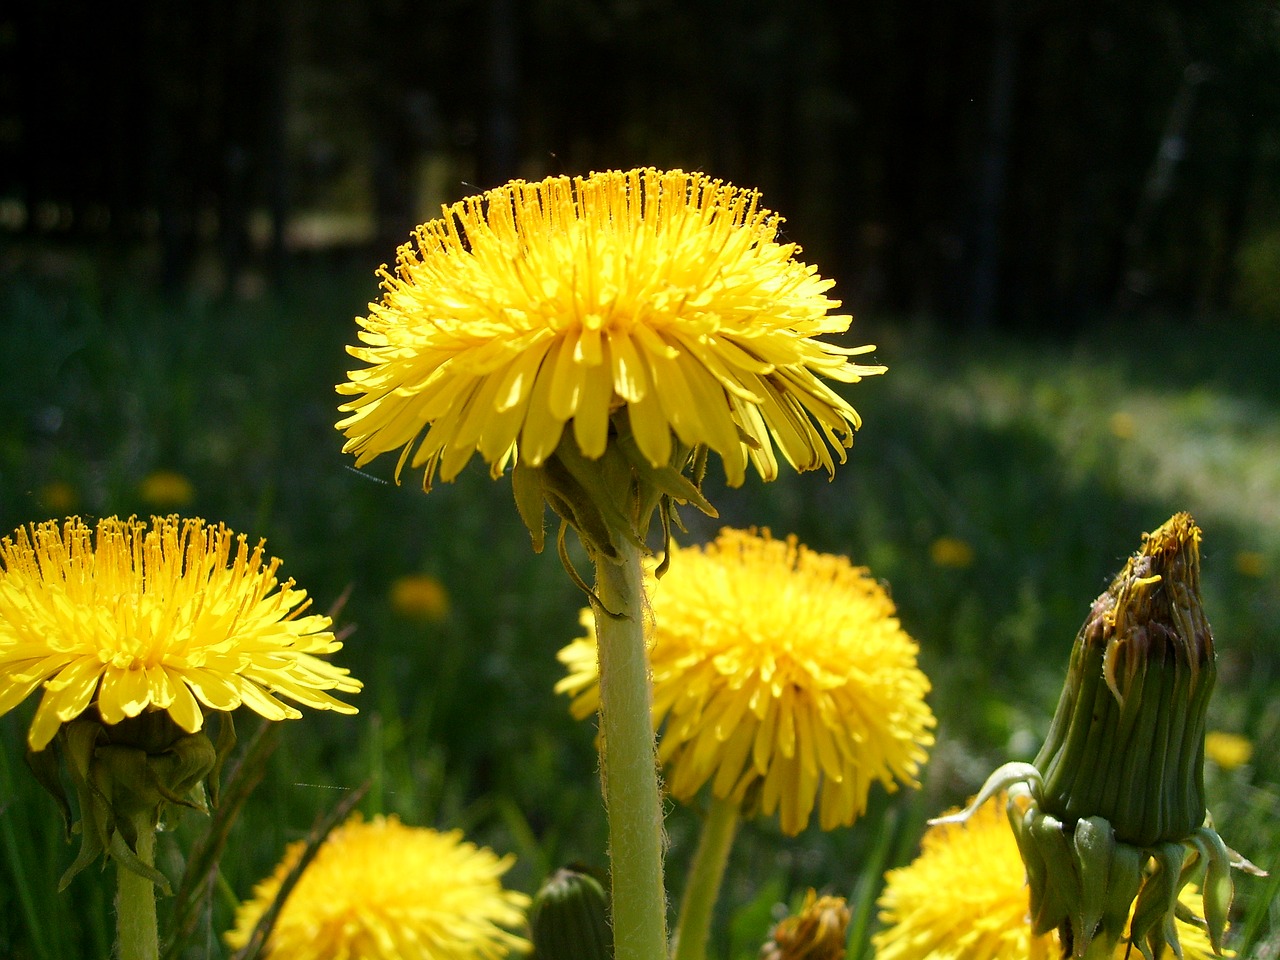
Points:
(1028, 165)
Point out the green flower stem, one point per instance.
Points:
(137, 936)
(703, 887)
(630, 770)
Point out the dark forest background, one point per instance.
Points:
(1028, 165)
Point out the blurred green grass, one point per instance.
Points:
(1047, 459)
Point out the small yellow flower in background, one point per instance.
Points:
(780, 675)
(384, 891)
(420, 596)
(537, 306)
(172, 616)
(820, 931)
(951, 552)
(965, 897)
(166, 489)
(1227, 750)
(59, 497)
(1251, 563)
(1122, 425)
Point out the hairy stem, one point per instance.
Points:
(629, 761)
(137, 937)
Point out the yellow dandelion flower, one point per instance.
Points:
(1227, 750)
(59, 497)
(951, 552)
(540, 305)
(170, 616)
(965, 897)
(420, 596)
(385, 891)
(166, 488)
(1123, 425)
(1251, 563)
(780, 675)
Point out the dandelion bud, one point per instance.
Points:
(1110, 819)
(569, 918)
(1127, 741)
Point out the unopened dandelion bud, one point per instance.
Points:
(819, 931)
(569, 919)
(1110, 819)
(1127, 742)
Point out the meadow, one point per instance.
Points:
(996, 486)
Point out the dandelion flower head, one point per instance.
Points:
(384, 891)
(781, 676)
(166, 488)
(537, 306)
(1227, 750)
(419, 596)
(965, 897)
(176, 615)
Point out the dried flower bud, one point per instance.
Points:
(1110, 820)
(1127, 741)
(820, 931)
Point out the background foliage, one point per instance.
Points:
(1030, 163)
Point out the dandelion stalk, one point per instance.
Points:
(630, 771)
(137, 934)
(705, 875)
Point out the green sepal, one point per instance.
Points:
(1033, 860)
(1062, 887)
(1003, 778)
(1154, 912)
(668, 480)
(1094, 843)
(526, 486)
(222, 747)
(1218, 886)
(125, 776)
(44, 766)
(1123, 883)
(578, 507)
(126, 856)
